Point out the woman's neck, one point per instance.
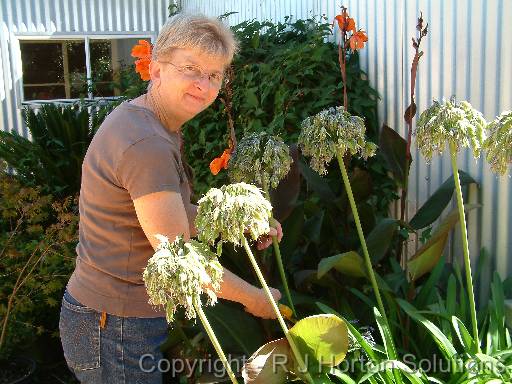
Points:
(152, 100)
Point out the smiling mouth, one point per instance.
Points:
(196, 97)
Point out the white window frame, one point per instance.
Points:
(15, 47)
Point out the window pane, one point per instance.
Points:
(77, 80)
(44, 92)
(101, 67)
(42, 65)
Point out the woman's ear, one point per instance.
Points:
(155, 72)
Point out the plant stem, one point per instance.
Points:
(214, 341)
(280, 266)
(368, 261)
(279, 260)
(465, 247)
(266, 289)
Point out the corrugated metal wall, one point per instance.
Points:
(468, 52)
(64, 17)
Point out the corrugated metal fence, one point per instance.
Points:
(468, 53)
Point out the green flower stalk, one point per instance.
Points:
(230, 213)
(263, 160)
(459, 125)
(177, 275)
(333, 133)
(498, 144)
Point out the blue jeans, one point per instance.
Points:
(125, 350)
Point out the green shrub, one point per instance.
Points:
(37, 240)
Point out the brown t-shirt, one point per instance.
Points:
(131, 155)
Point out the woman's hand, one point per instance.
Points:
(259, 306)
(265, 240)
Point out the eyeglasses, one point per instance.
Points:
(196, 73)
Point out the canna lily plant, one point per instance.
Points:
(498, 144)
(459, 125)
(263, 160)
(232, 214)
(177, 275)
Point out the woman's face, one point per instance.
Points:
(187, 81)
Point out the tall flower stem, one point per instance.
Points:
(279, 259)
(367, 259)
(465, 247)
(266, 289)
(280, 266)
(215, 342)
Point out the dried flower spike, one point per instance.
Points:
(333, 131)
(179, 272)
(232, 211)
(457, 123)
(260, 159)
(499, 143)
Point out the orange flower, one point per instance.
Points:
(346, 23)
(357, 40)
(143, 49)
(143, 52)
(220, 162)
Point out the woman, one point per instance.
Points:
(133, 187)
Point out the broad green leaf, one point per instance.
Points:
(430, 253)
(323, 338)
(313, 226)
(348, 263)
(235, 328)
(353, 331)
(393, 148)
(464, 336)
(436, 204)
(270, 364)
(379, 239)
(441, 340)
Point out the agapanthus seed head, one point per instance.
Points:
(231, 212)
(499, 143)
(260, 159)
(179, 273)
(452, 122)
(333, 131)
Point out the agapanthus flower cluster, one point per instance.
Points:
(179, 273)
(333, 131)
(260, 159)
(499, 143)
(452, 122)
(231, 212)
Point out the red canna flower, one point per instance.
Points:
(357, 40)
(220, 162)
(143, 52)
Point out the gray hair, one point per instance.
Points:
(186, 30)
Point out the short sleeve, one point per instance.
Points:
(150, 165)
